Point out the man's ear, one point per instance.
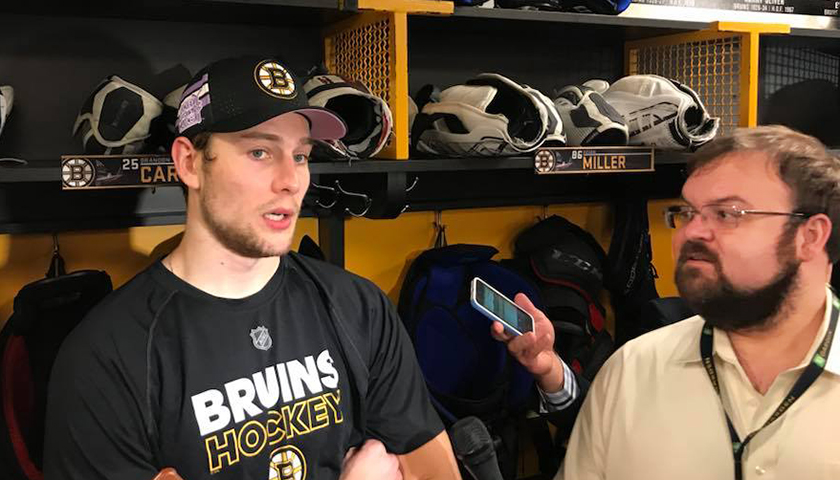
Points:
(815, 233)
(187, 162)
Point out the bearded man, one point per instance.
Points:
(750, 387)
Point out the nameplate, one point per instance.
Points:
(571, 160)
(116, 171)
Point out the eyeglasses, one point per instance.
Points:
(718, 217)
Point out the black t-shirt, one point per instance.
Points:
(276, 385)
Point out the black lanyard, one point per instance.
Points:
(808, 377)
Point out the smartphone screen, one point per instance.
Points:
(505, 310)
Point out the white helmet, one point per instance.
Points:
(555, 129)
(368, 118)
(117, 118)
(588, 118)
(490, 115)
(662, 113)
(7, 100)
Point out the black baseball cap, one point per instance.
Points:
(235, 94)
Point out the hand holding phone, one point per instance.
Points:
(497, 307)
(535, 352)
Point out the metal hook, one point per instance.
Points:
(345, 192)
(364, 197)
(410, 188)
(368, 203)
(324, 206)
(330, 189)
(544, 213)
(56, 262)
(413, 184)
(440, 229)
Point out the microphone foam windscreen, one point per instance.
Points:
(470, 437)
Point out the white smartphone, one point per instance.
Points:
(496, 306)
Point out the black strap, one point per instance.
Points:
(547, 457)
(808, 377)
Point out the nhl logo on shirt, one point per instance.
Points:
(287, 463)
(261, 338)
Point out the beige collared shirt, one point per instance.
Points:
(652, 414)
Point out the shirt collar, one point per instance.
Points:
(688, 350)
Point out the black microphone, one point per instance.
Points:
(474, 448)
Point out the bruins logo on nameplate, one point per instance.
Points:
(544, 161)
(275, 80)
(287, 463)
(76, 172)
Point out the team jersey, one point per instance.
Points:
(277, 385)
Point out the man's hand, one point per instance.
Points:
(167, 474)
(534, 350)
(370, 461)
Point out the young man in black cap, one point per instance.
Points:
(233, 357)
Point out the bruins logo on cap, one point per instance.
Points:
(275, 80)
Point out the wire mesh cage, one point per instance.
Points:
(370, 48)
(798, 86)
(363, 54)
(783, 65)
(710, 63)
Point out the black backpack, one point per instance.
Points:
(44, 313)
(568, 264)
(631, 277)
